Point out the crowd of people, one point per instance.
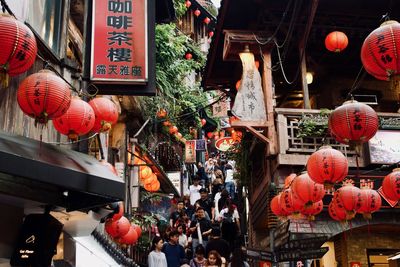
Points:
(204, 227)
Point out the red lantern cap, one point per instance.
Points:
(336, 41)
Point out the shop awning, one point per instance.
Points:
(53, 175)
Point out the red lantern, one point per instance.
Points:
(348, 197)
(327, 166)
(290, 202)
(380, 50)
(44, 96)
(237, 85)
(353, 122)
(120, 213)
(207, 20)
(277, 208)
(210, 135)
(109, 166)
(313, 210)
(336, 41)
(167, 123)
(338, 214)
(78, 120)
(118, 228)
(154, 187)
(137, 229)
(129, 238)
(18, 47)
(203, 122)
(106, 114)
(370, 202)
(307, 190)
(188, 4)
(188, 56)
(150, 179)
(289, 179)
(162, 113)
(210, 34)
(391, 185)
(173, 129)
(197, 12)
(145, 172)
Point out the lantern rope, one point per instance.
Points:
(357, 82)
(72, 142)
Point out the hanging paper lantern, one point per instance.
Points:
(106, 114)
(137, 229)
(307, 190)
(167, 123)
(207, 20)
(203, 122)
(188, 56)
(327, 166)
(210, 135)
(336, 41)
(391, 185)
(338, 214)
(188, 4)
(348, 197)
(145, 172)
(77, 121)
(313, 210)
(173, 129)
(290, 202)
(150, 179)
(154, 187)
(120, 213)
(109, 166)
(44, 96)
(210, 34)
(18, 48)
(129, 238)
(162, 113)
(289, 179)
(353, 122)
(197, 12)
(117, 228)
(138, 161)
(277, 208)
(380, 50)
(370, 202)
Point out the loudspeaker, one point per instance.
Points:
(37, 241)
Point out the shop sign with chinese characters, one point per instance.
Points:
(119, 42)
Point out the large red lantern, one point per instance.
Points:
(313, 210)
(336, 41)
(153, 187)
(18, 47)
(118, 228)
(391, 185)
(277, 208)
(348, 197)
(137, 229)
(77, 121)
(129, 238)
(327, 166)
(106, 114)
(336, 213)
(380, 50)
(145, 172)
(353, 122)
(290, 202)
(370, 202)
(307, 190)
(289, 179)
(150, 180)
(44, 96)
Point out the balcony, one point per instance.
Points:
(294, 150)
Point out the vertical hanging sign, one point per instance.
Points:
(119, 41)
(190, 151)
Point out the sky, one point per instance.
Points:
(216, 3)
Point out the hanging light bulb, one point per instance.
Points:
(309, 77)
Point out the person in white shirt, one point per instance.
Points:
(157, 258)
(194, 190)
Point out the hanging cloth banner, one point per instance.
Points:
(190, 151)
(249, 102)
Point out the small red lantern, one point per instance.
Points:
(118, 228)
(353, 122)
(153, 187)
(313, 210)
(188, 56)
(338, 214)
(78, 120)
(277, 208)
(203, 122)
(106, 114)
(348, 197)
(44, 96)
(188, 4)
(336, 41)
(327, 166)
(391, 185)
(129, 238)
(370, 202)
(173, 129)
(18, 47)
(307, 190)
(210, 34)
(290, 202)
(380, 50)
(162, 113)
(210, 135)
(289, 179)
(197, 12)
(207, 20)
(120, 213)
(167, 123)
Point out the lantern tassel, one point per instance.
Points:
(4, 78)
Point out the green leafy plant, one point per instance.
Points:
(313, 125)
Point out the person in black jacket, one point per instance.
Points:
(218, 244)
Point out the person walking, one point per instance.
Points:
(156, 257)
(200, 229)
(199, 260)
(215, 260)
(173, 251)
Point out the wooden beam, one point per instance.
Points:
(256, 124)
(258, 135)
